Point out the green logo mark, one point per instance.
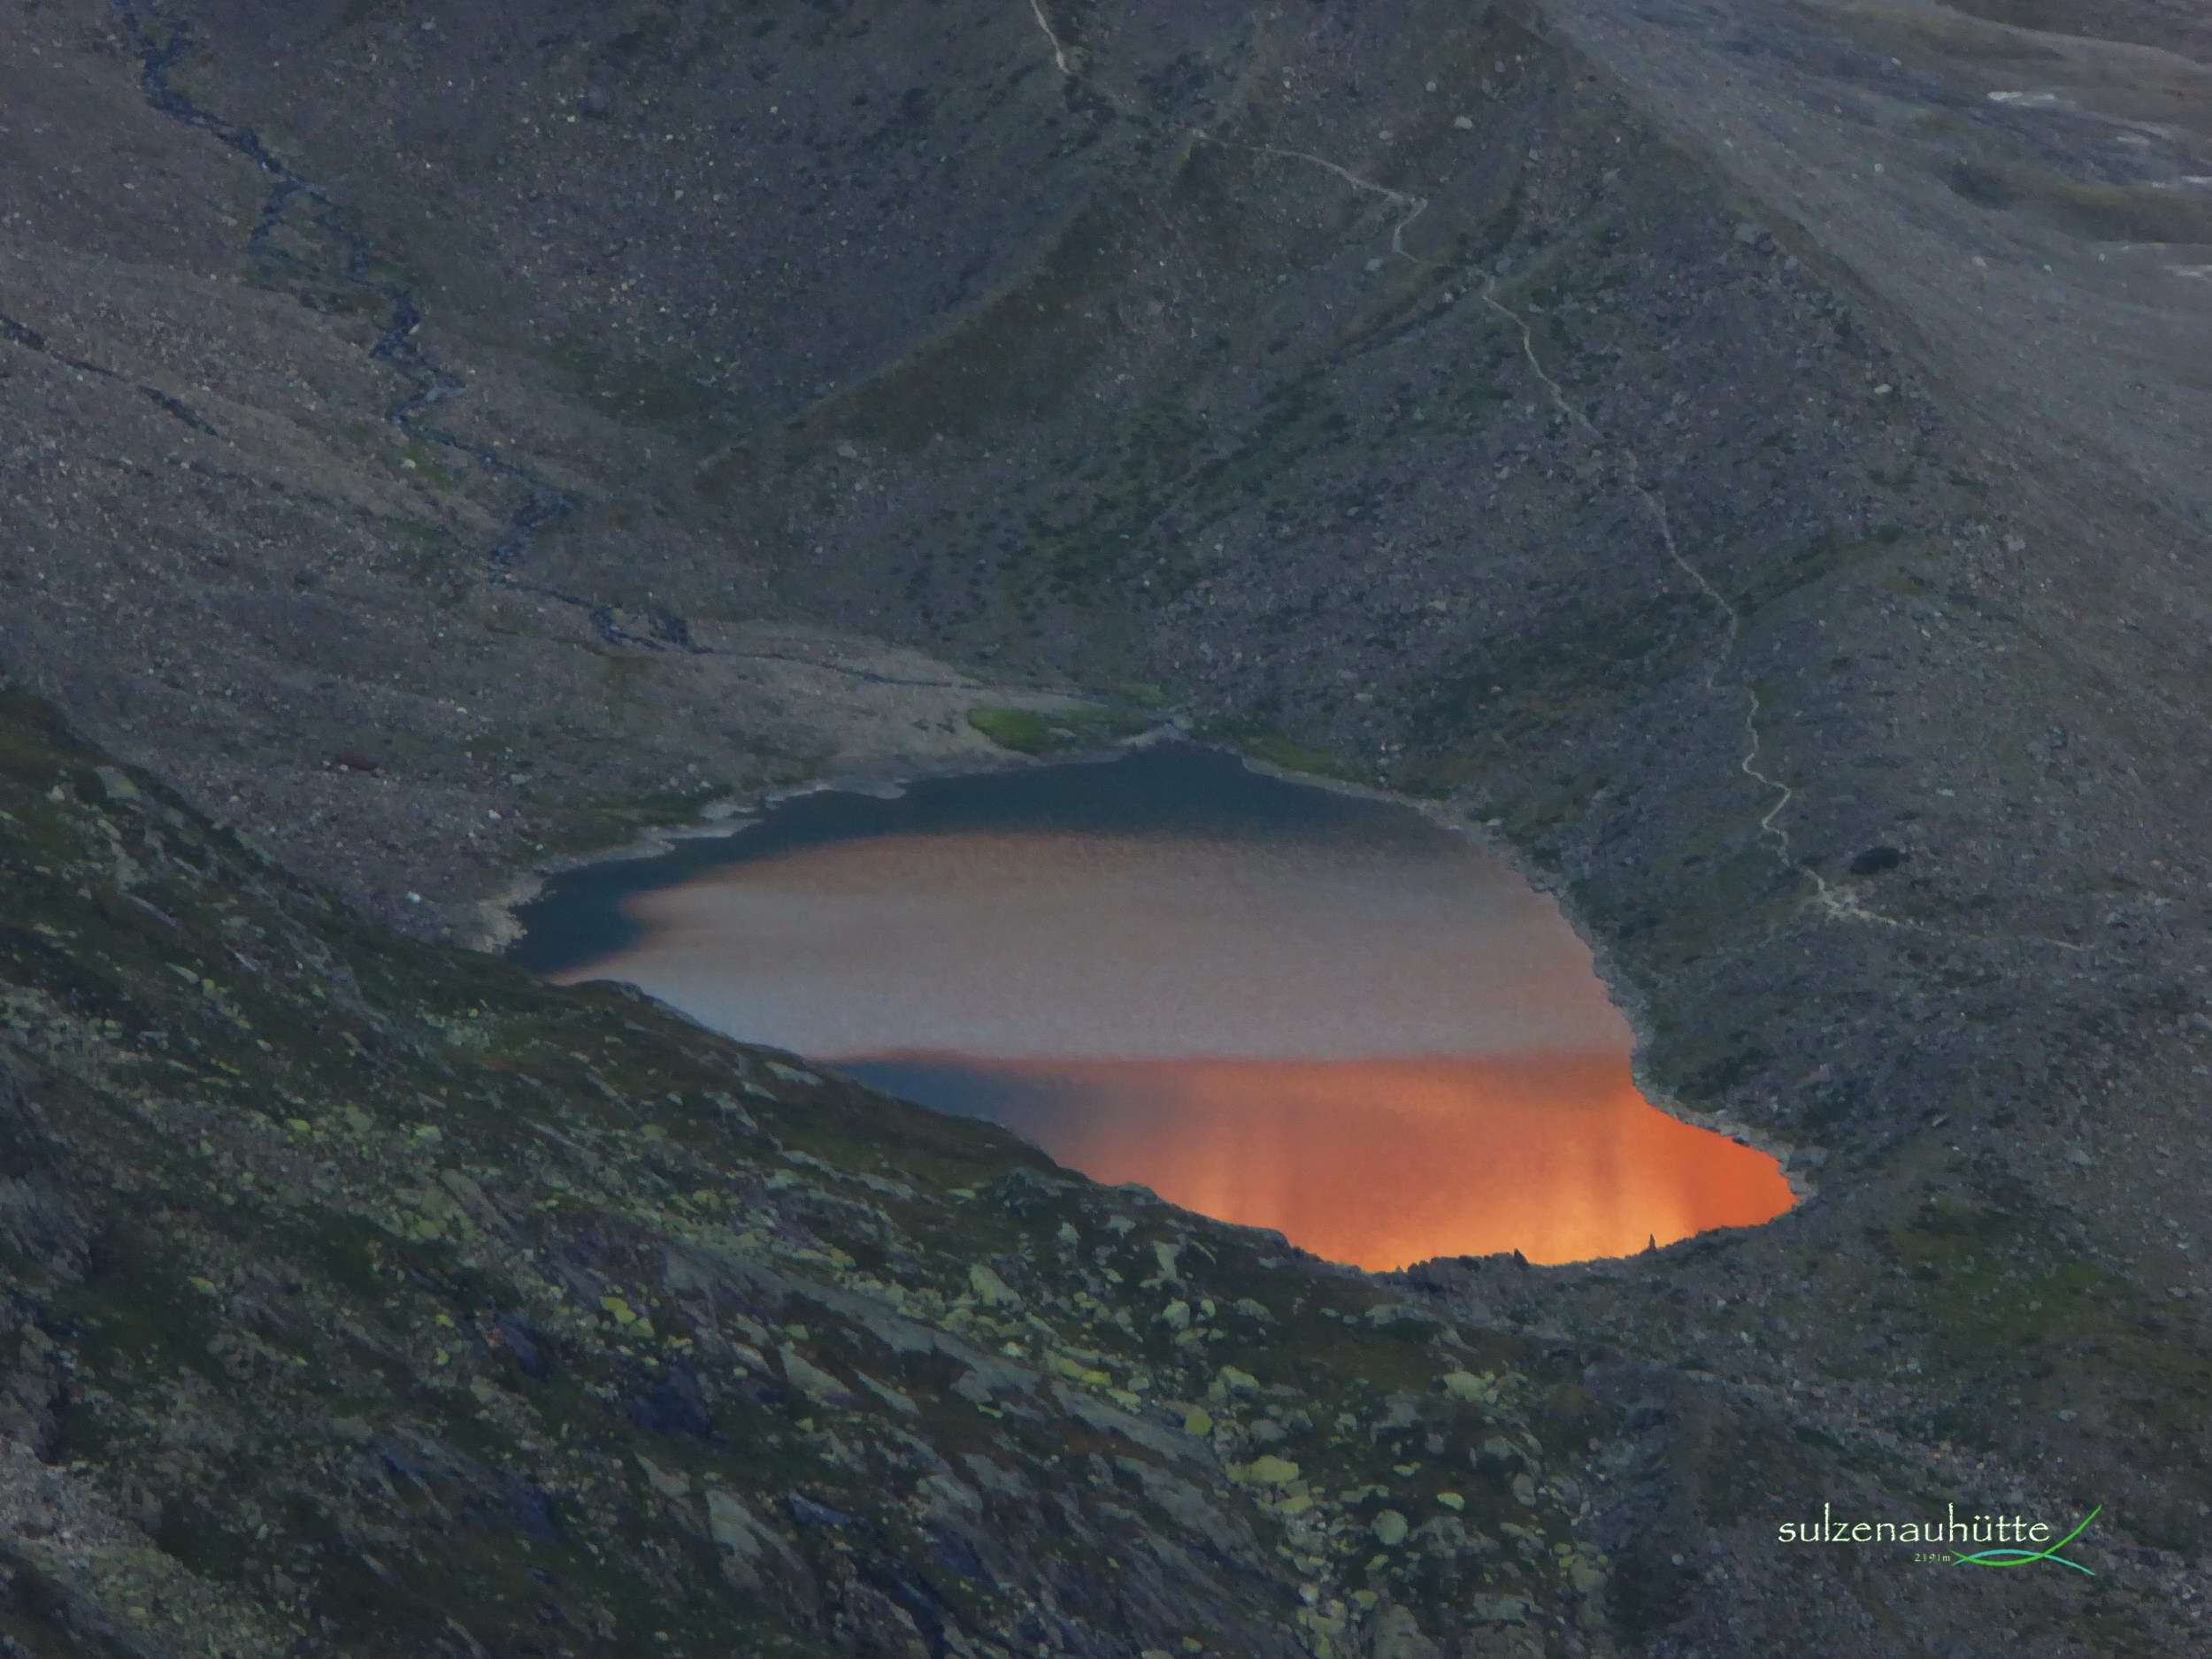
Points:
(2021, 1557)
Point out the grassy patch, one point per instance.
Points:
(1144, 694)
(1997, 1293)
(633, 390)
(429, 463)
(1788, 570)
(1055, 730)
(1290, 756)
(2086, 208)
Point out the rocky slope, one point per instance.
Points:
(363, 1296)
(1751, 459)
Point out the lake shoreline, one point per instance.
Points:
(1190, 804)
(495, 925)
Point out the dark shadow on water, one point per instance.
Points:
(1164, 789)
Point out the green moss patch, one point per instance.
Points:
(1056, 730)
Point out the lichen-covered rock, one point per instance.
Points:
(475, 1310)
(1271, 1470)
(990, 1288)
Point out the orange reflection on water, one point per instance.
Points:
(1383, 1162)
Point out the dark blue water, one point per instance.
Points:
(1163, 790)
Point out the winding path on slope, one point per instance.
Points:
(1831, 902)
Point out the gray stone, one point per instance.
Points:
(751, 1550)
(809, 1379)
(1398, 1635)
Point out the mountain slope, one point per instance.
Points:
(455, 1313)
(1750, 459)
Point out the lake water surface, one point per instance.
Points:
(1272, 1003)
